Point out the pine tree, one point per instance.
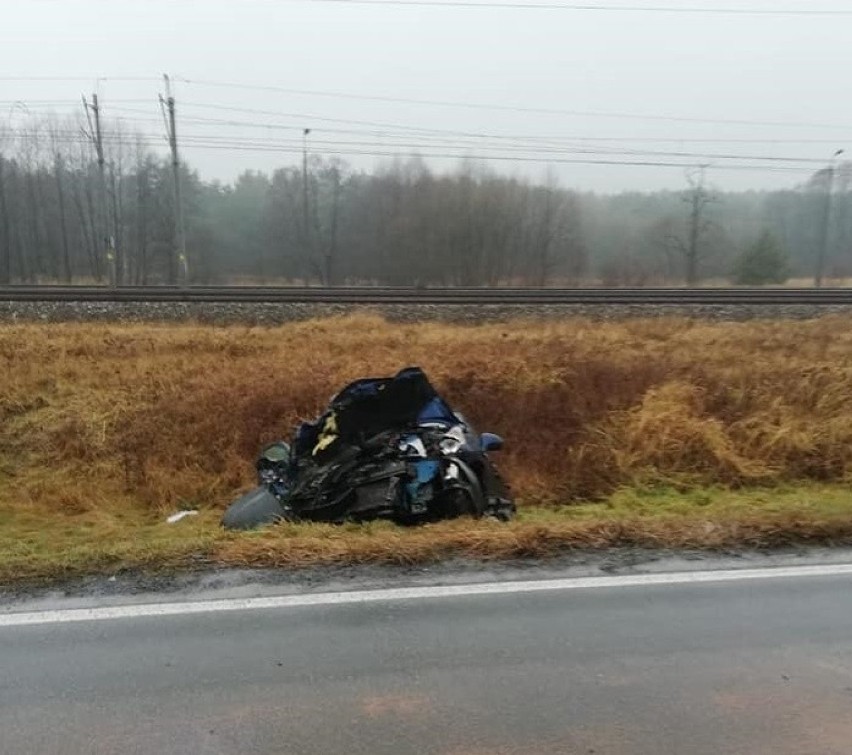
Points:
(762, 262)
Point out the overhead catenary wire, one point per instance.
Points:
(247, 86)
(396, 129)
(523, 159)
(589, 7)
(88, 79)
(540, 146)
(521, 5)
(402, 140)
(343, 150)
(223, 142)
(510, 108)
(424, 149)
(477, 134)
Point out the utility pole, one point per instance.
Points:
(181, 269)
(825, 230)
(96, 137)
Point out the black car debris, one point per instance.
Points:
(386, 448)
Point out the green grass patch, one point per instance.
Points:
(35, 545)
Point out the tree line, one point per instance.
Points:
(402, 224)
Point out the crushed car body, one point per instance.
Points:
(386, 448)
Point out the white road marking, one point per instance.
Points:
(104, 613)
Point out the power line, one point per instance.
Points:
(453, 141)
(727, 11)
(521, 149)
(511, 147)
(446, 103)
(21, 101)
(87, 79)
(276, 126)
(395, 129)
(445, 143)
(478, 134)
(69, 102)
(326, 119)
(506, 108)
(521, 159)
(517, 149)
(355, 149)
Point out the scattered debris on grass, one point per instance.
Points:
(176, 517)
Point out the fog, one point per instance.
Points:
(521, 89)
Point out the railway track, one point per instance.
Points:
(457, 296)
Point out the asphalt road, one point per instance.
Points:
(762, 666)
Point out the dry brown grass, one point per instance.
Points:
(113, 425)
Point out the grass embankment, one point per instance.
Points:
(684, 433)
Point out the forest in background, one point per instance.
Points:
(323, 222)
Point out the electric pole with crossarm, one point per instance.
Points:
(179, 267)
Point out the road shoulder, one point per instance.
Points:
(138, 587)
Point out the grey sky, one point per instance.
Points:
(702, 66)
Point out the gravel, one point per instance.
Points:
(277, 314)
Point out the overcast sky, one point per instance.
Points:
(531, 86)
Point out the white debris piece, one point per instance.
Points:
(180, 515)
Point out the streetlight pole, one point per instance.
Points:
(826, 222)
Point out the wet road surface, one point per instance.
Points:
(763, 666)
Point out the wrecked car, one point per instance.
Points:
(386, 448)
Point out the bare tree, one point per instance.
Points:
(118, 149)
(554, 240)
(59, 172)
(82, 195)
(5, 229)
(662, 248)
(331, 248)
(5, 220)
(697, 197)
(55, 135)
(842, 215)
(825, 178)
(143, 200)
(35, 242)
